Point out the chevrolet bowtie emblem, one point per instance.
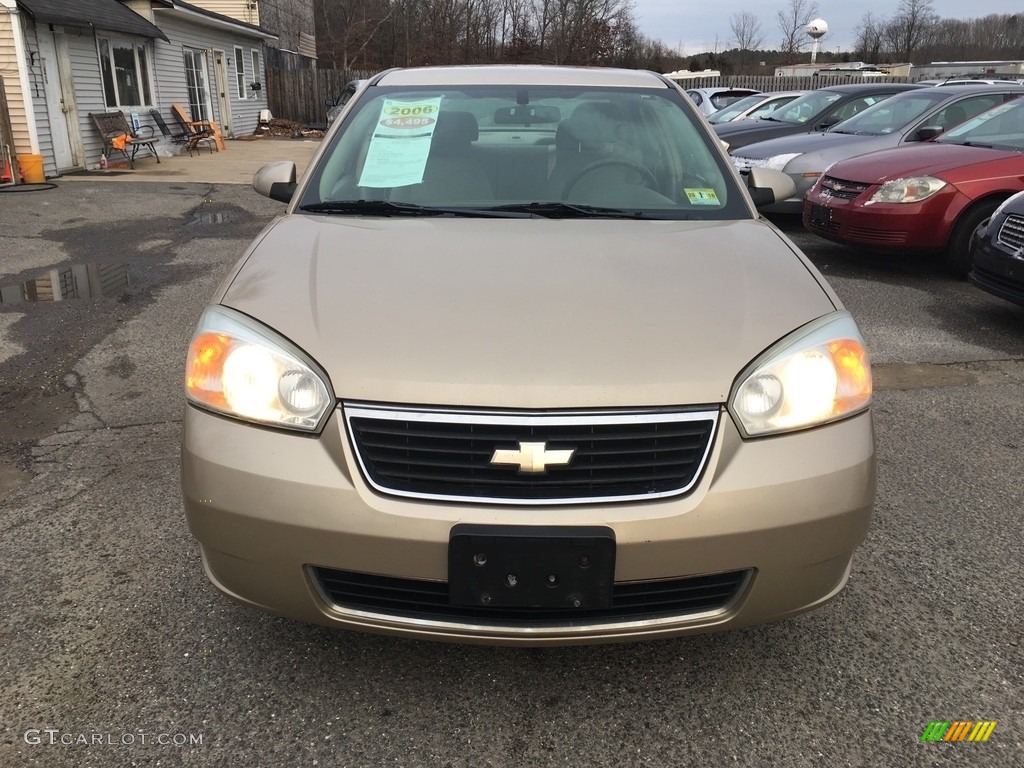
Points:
(532, 457)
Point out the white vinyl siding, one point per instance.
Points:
(170, 70)
(12, 86)
(243, 10)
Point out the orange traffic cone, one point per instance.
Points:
(6, 177)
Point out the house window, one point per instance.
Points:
(198, 84)
(125, 68)
(240, 73)
(255, 70)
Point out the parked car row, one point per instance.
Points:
(902, 169)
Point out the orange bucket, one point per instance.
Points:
(32, 168)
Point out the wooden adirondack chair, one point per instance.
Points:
(201, 130)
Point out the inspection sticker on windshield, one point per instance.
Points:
(400, 143)
(701, 196)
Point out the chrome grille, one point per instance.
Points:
(847, 190)
(446, 454)
(1011, 234)
(428, 600)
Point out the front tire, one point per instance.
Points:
(957, 256)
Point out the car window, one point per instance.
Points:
(489, 146)
(769, 107)
(727, 113)
(725, 98)
(855, 106)
(954, 114)
(889, 115)
(806, 107)
(1002, 126)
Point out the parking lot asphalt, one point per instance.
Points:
(110, 633)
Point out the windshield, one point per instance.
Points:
(537, 150)
(806, 107)
(1000, 127)
(736, 108)
(891, 115)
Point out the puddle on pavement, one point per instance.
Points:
(78, 281)
(212, 218)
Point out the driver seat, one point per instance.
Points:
(595, 131)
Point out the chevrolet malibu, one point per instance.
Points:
(521, 364)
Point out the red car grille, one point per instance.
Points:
(883, 236)
(847, 190)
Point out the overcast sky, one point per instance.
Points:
(695, 25)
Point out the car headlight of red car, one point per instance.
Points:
(909, 190)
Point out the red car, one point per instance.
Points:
(927, 198)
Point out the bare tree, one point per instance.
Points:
(870, 33)
(747, 32)
(793, 21)
(910, 28)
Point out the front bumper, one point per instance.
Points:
(910, 227)
(997, 271)
(270, 510)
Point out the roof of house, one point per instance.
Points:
(98, 14)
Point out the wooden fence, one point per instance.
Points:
(299, 94)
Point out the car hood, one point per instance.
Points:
(809, 143)
(528, 313)
(931, 159)
(757, 124)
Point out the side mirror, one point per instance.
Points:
(768, 186)
(276, 181)
(926, 132)
(827, 123)
(330, 103)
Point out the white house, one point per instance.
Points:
(63, 60)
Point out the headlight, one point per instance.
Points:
(240, 368)
(911, 190)
(817, 374)
(776, 162)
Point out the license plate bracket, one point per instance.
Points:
(503, 566)
(821, 215)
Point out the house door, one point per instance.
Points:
(197, 84)
(61, 107)
(220, 77)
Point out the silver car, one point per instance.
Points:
(520, 363)
(754, 106)
(904, 118)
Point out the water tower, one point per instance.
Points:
(816, 29)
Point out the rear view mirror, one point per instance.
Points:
(526, 115)
(276, 181)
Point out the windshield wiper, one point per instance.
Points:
(555, 210)
(390, 208)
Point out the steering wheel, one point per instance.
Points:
(646, 175)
